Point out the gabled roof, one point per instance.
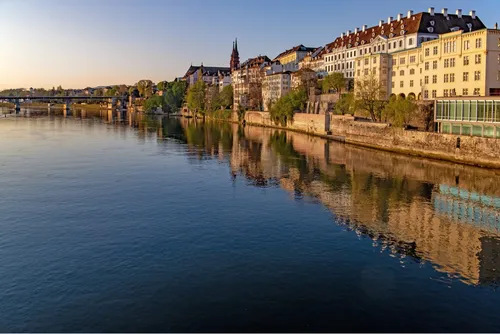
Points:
(255, 62)
(417, 23)
(207, 70)
(294, 49)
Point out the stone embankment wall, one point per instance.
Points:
(478, 151)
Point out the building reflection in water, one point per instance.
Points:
(411, 208)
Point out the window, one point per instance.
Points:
(374, 71)
(393, 73)
(477, 91)
(452, 62)
(412, 71)
(466, 45)
(477, 75)
(452, 77)
(426, 79)
(465, 92)
(366, 61)
(478, 59)
(402, 72)
(378, 48)
(445, 93)
(427, 52)
(434, 93)
(446, 77)
(478, 43)
(435, 50)
(466, 76)
(359, 73)
(434, 79)
(359, 62)
(401, 84)
(466, 60)
(426, 94)
(410, 41)
(374, 60)
(402, 61)
(412, 59)
(426, 65)
(411, 83)
(434, 65)
(446, 63)
(400, 44)
(453, 92)
(383, 47)
(394, 45)
(366, 71)
(392, 84)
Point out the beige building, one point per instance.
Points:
(274, 86)
(455, 64)
(376, 65)
(247, 83)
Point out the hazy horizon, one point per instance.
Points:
(47, 43)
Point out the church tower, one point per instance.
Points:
(235, 56)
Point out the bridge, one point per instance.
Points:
(111, 100)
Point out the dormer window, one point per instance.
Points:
(432, 23)
(430, 29)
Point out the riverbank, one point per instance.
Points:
(474, 151)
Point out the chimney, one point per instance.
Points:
(472, 13)
(356, 30)
(348, 32)
(389, 19)
(459, 13)
(495, 26)
(341, 35)
(431, 11)
(444, 11)
(380, 23)
(410, 13)
(364, 27)
(399, 17)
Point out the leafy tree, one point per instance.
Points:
(307, 78)
(287, 105)
(400, 111)
(133, 91)
(346, 104)
(334, 81)
(145, 88)
(162, 85)
(226, 97)
(196, 96)
(154, 102)
(370, 94)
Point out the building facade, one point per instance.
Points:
(291, 58)
(247, 83)
(275, 86)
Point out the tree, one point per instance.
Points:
(133, 91)
(162, 85)
(145, 88)
(307, 78)
(400, 111)
(370, 94)
(346, 104)
(153, 102)
(334, 81)
(226, 97)
(287, 105)
(196, 96)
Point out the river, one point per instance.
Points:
(121, 222)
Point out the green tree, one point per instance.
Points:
(153, 102)
(145, 88)
(133, 91)
(226, 97)
(286, 106)
(334, 81)
(162, 85)
(346, 104)
(196, 96)
(400, 111)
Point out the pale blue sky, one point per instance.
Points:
(45, 43)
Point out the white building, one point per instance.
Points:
(274, 86)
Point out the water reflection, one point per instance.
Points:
(414, 209)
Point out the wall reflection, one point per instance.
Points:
(412, 208)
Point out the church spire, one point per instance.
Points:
(235, 56)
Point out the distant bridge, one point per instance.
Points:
(111, 100)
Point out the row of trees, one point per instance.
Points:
(203, 99)
(169, 101)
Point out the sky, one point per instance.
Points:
(77, 43)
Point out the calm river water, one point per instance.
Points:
(119, 222)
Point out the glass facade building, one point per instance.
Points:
(478, 116)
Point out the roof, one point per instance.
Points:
(255, 62)
(422, 22)
(295, 49)
(207, 70)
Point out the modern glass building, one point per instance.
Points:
(474, 116)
